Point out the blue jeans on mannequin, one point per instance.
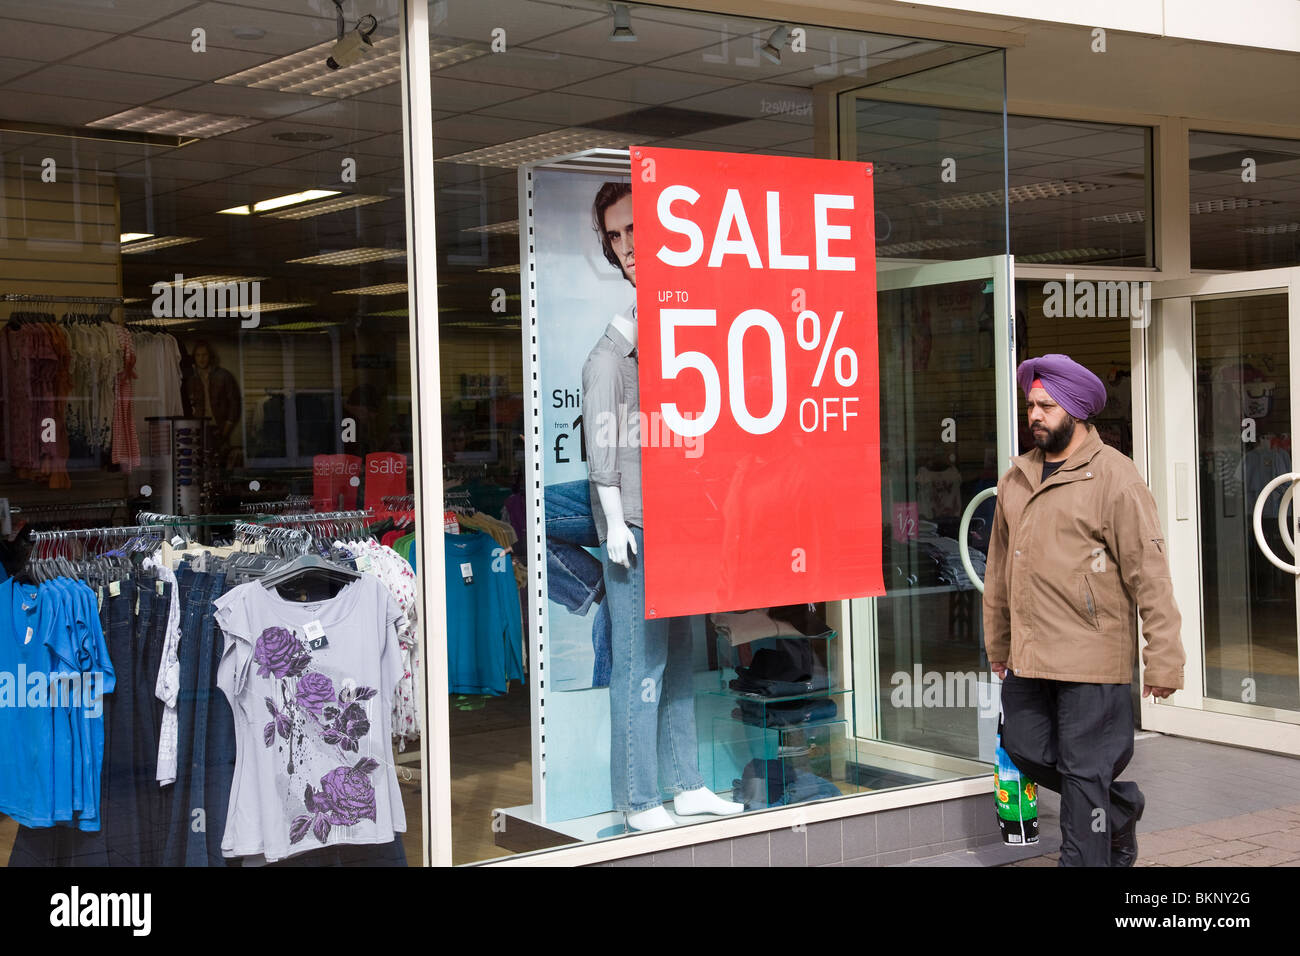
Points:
(651, 695)
(573, 577)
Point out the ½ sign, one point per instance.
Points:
(760, 432)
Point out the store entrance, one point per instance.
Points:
(1224, 384)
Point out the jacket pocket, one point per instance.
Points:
(1088, 602)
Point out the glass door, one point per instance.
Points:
(1221, 428)
(947, 414)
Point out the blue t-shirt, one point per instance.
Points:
(484, 630)
(26, 719)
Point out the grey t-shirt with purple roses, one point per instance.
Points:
(314, 757)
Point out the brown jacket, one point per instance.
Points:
(1071, 562)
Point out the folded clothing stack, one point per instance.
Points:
(793, 621)
(789, 713)
(788, 670)
(771, 783)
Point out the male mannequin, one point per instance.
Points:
(652, 701)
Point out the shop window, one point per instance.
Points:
(1244, 202)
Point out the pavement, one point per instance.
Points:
(1207, 805)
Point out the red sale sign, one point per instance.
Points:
(760, 431)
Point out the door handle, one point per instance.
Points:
(962, 548)
(1257, 521)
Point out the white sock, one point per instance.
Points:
(656, 818)
(703, 800)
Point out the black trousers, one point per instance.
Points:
(1075, 738)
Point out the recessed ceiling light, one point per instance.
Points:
(389, 288)
(349, 257)
(301, 136)
(1052, 189)
(184, 280)
(1227, 205)
(1136, 215)
(174, 122)
(1279, 229)
(134, 236)
(248, 33)
(510, 228)
(1062, 255)
(329, 205)
(292, 199)
(560, 142)
(381, 65)
(159, 242)
(922, 245)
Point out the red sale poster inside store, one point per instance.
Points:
(760, 428)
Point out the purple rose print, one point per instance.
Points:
(279, 724)
(315, 692)
(348, 727)
(279, 654)
(346, 797)
(350, 796)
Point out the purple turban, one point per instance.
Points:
(1070, 385)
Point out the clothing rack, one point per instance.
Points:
(398, 502)
(65, 299)
(118, 531)
(28, 511)
(287, 506)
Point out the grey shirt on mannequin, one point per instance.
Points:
(610, 424)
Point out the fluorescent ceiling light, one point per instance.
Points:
(176, 122)
(1063, 254)
(1280, 229)
(922, 245)
(1052, 189)
(390, 314)
(301, 326)
(349, 257)
(389, 288)
(561, 142)
(510, 228)
(1227, 205)
(275, 306)
(1136, 215)
(156, 243)
(504, 270)
(134, 236)
(327, 206)
(211, 280)
(381, 65)
(292, 199)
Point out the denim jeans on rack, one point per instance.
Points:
(651, 694)
(212, 763)
(574, 578)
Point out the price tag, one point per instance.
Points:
(28, 638)
(114, 588)
(158, 585)
(363, 563)
(467, 572)
(449, 523)
(177, 541)
(316, 638)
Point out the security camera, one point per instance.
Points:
(349, 46)
(348, 49)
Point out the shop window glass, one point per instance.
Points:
(205, 375)
(1245, 201)
(568, 80)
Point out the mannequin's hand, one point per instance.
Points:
(618, 542)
